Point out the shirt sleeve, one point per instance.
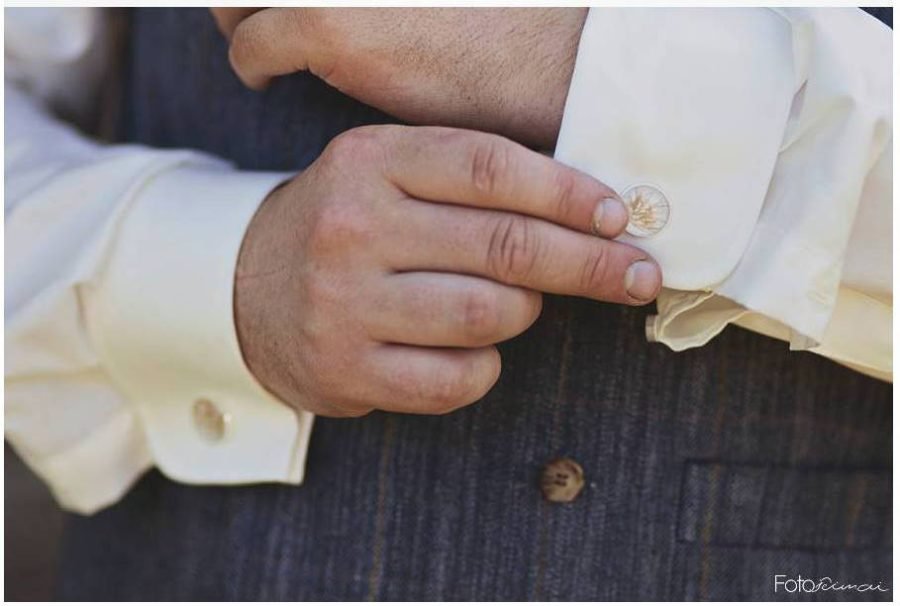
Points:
(121, 349)
(763, 137)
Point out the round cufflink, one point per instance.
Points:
(648, 210)
(209, 421)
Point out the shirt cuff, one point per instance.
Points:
(739, 119)
(163, 319)
(694, 103)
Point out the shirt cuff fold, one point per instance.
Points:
(98, 470)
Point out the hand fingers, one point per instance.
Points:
(488, 171)
(227, 19)
(270, 43)
(423, 380)
(451, 310)
(522, 251)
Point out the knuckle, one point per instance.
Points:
(565, 184)
(361, 145)
(512, 249)
(432, 393)
(447, 393)
(336, 226)
(425, 392)
(467, 385)
(481, 314)
(491, 161)
(460, 384)
(323, 344)
(595, 271)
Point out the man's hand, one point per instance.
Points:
(383, 275)
(499, 70)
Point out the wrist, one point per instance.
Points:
(259, 279)
(544, 93)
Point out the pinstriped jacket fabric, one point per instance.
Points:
(708, 472)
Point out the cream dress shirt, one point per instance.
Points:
(764, 135)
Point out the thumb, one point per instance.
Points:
(269, 43)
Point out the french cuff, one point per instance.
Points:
(693, 103)
(163, 320)
(732, 122)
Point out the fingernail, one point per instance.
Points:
(609, 218)
(642, 280)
